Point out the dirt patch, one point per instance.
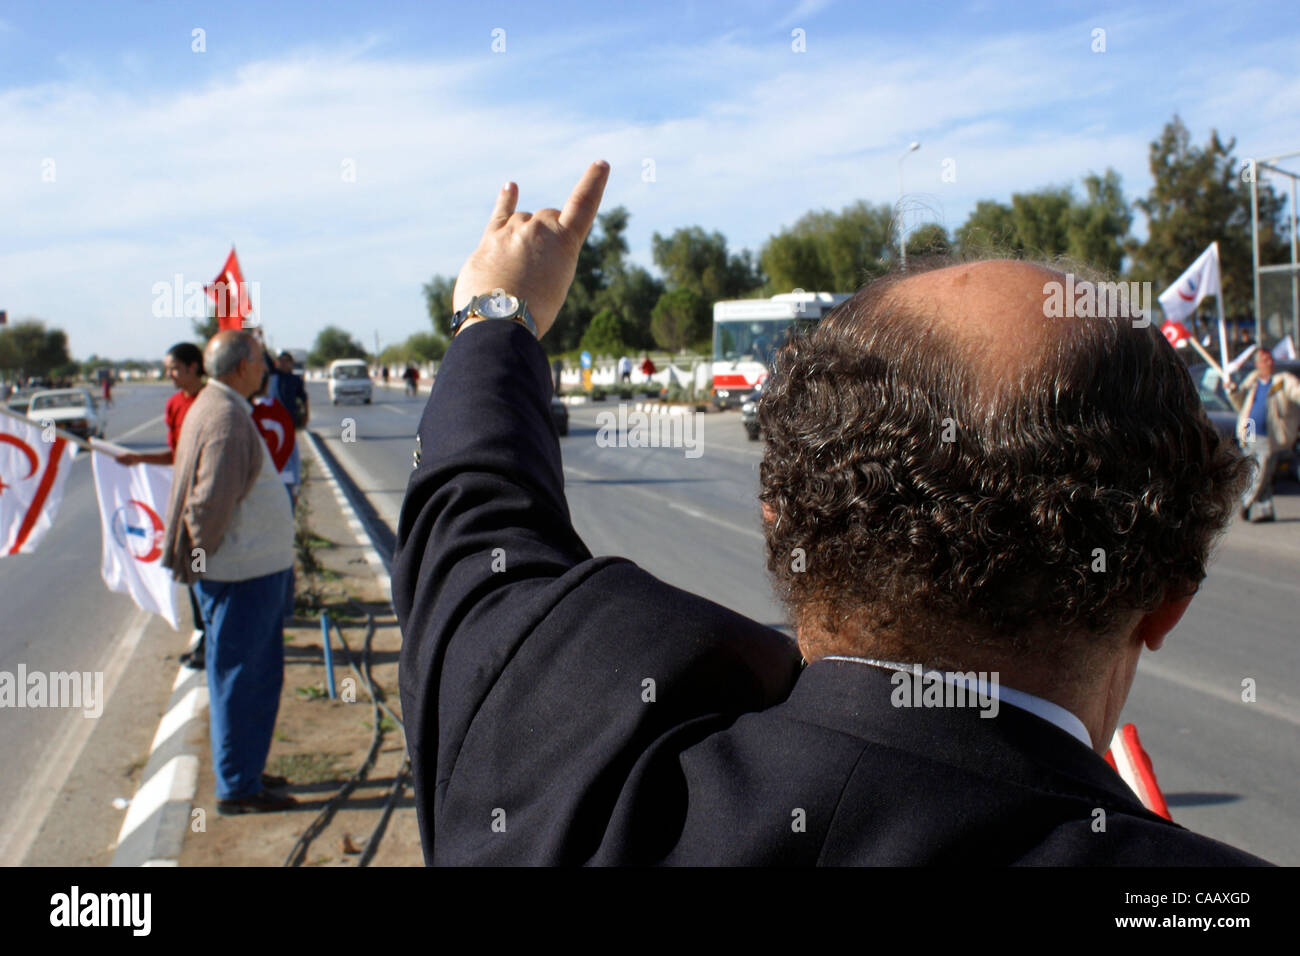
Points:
(320, 742)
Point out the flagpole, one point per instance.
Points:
(75, 439)
(1223, 326)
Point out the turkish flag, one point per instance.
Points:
(276, 425)
(230, 293)
(1127, 757)
(1176, 333)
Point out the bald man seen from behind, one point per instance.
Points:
(944, 463)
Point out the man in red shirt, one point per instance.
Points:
(183, 364)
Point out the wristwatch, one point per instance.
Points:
(497, 304)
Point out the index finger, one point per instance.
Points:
(579, 210)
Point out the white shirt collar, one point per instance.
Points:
(1048, 711)
(234, 394)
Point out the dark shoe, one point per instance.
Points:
(193, 660)
(273, 782)
(264, 802)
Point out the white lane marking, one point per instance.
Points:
(1261, 705)
(37, 798)
(664, 499)
(395, 408)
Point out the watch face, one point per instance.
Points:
(498, 305)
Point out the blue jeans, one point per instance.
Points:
(245, 665)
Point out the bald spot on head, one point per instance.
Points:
(994, 309)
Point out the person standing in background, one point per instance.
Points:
(1266, 425)
(183, 364)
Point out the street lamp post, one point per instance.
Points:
(902, 235)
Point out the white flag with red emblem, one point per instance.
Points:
(1200, 280)
(32, 473)
(131, 504)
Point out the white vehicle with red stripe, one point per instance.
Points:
(746, 332)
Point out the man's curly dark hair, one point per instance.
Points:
(926, 505)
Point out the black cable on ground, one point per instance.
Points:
(298, 853)
(402, 776)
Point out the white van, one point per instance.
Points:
(349, 380)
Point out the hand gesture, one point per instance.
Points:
(532, 255)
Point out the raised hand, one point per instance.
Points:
(532, 255)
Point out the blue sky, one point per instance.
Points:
(126, 157)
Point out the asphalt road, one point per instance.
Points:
(1229, 769)
(57, 615)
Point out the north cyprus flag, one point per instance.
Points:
(131, 503)
(32, 473)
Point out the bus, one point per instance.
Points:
(746, 332)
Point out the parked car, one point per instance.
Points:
(72, 409)
(19, 399)
(349, 380)
(560, 415)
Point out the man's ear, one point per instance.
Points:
(1156, 625)
(768, 516)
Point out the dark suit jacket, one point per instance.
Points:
(524, 683)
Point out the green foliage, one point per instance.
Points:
(1099, 224)
(334, 343)
(1199, 196)
(204, 329)
(607, 334)
(437, 302)
(929, 239)
(28, 349)
(698, 261)
(678, 320)
(1052, 222)
(419, 348)
(826, 251)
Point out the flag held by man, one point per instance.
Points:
(1202, 279)
(32, 475)
(132, 501)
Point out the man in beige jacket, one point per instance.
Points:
(1266, 426)
(230, 534)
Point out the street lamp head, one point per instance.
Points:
(913, 146)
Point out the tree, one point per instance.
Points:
(606, 335)
(603, 281)
(437, 301)
(1052, 222)
(990, 229)
(204, 329)
(929, 239)
(28, 349)
(675, 321)
(334, 343)
(425, 347)
(826, 251)
(631, 295)
(1100, 224)
(1198, 196)
(692, 259)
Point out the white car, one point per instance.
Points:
(349, 380)
(72, 409)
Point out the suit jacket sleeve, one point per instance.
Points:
(533, 735)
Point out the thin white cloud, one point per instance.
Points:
(148, 186)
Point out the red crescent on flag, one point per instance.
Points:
(1188, 298)
(33, 460)
(157, 523)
